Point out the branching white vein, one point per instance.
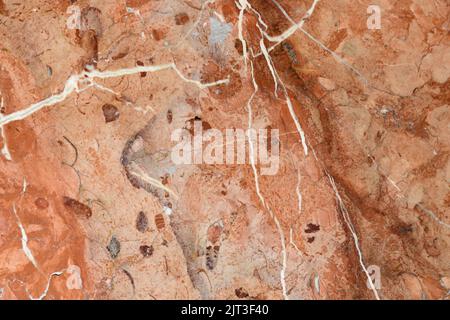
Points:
(312, 38)
(72, 84)
(350, 226)
(277, 79)
(258, 191)
(296, 26)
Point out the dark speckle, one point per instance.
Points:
(169, 116)
(110, 112)
(181, 19)
(114, 247)
(241, 293)
(146, 251)
(312, 228)
(142, 222)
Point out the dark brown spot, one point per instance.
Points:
(241, 293)
(110, 112)
(120, 55)
(190, 125)
(146, 251)
(142, 222)
(312, 228)
(141, 64)
(169, 116)
(238, 46)
(181, 19)
(77, 207)
(165, 179)
(212, 256)
(158, 34)
(311, 239)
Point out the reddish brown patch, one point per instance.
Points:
(214, 233)
(312, 228)
(146, 251)
(241, 293)
(3, 10)
(159, 34)
(136, 3)
(41, 203)
(181, 19)
(336, 38)
(212, 72)
(230, 12)
(110, 112)
(159, 221)
(77, 207)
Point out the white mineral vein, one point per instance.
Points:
(258, 191)
(44, 294)
(72, 83)
(25, 247)
(350, 226)
(5, 151)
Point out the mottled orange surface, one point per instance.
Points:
(79, 218)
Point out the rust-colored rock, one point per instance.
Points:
(359, 191)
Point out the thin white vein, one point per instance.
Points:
(265, 52)
(44, 294)
(336, 56)
(250, 138)
(72, 83)
(269, 63)
(5, 151)
(351, 228)
(391, 181)
(320, 44)
(154, 182)
(291, 241)
(295, 118)
(433, 216)
(298, 190)
(427, 211)
(24, 186)
(24, 240)
(279, 39)
(277, 79)
(280, 7)
(242, 5)
(258, 191)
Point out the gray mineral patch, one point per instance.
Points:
(219, 31)
(113, 247)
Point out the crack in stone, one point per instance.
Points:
(5, 151)
(72, 84)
